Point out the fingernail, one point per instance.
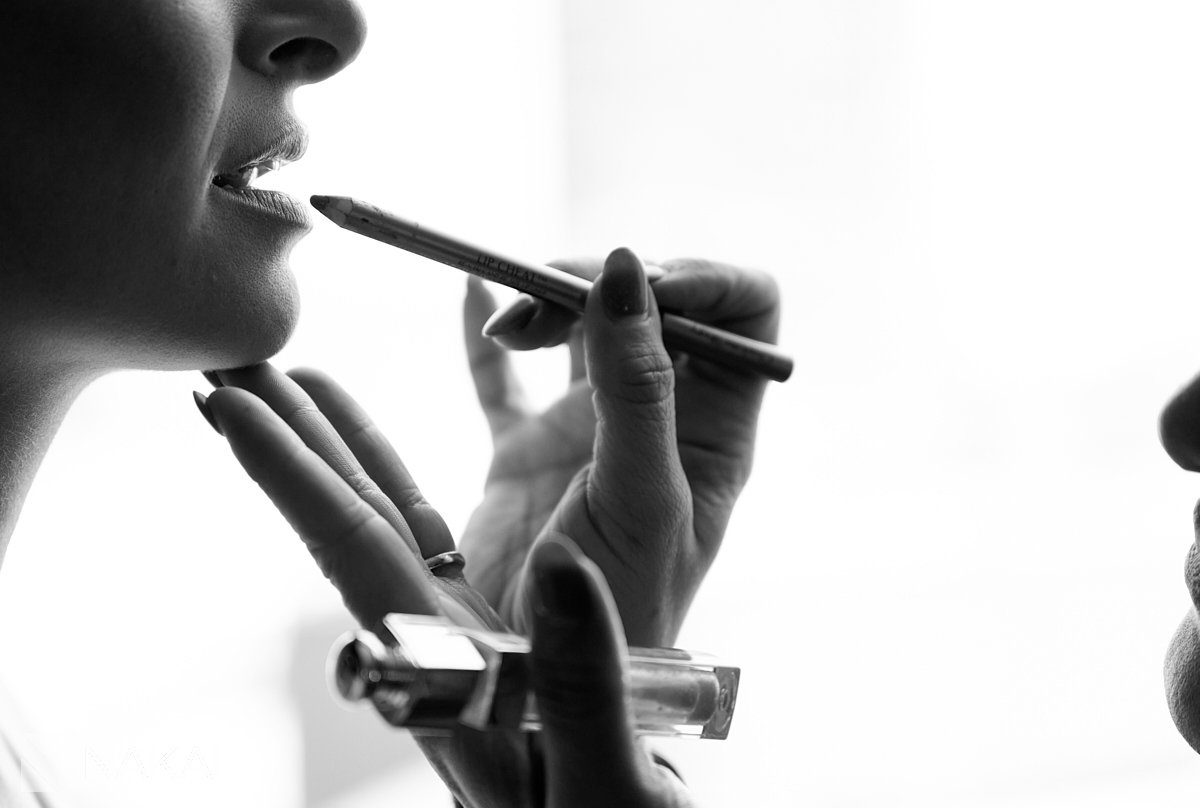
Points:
(561, 586)
(513, 317)
(653, 272)
(212, 377)
(623, 289)
(202, 405)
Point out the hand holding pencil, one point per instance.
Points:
(542, 457)
(546, 458)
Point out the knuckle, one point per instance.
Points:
(360, 483)
(300, 412)
(641, 512)
(644, 376)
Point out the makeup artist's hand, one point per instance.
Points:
(1179, 428)
(342, 487)
(668, 457)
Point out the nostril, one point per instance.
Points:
(315, 58)
(298, 41)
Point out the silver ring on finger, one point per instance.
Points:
(445, 560)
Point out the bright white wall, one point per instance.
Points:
(954, 575)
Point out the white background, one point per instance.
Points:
(953, 578)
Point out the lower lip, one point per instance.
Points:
(273, 203)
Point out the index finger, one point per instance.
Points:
(356, 549)
(297, 409)
(500, 394)
(551, 324)
(379, 459)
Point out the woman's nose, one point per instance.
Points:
(1179, 428)
(301, 41)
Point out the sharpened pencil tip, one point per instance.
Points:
(333, 208)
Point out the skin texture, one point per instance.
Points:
(612, 482)
(1179, 429)
(116, 249)
(548, 475)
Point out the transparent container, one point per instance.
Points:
(429, 675)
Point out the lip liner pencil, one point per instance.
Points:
(679, 333)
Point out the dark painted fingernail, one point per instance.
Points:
(202, 405)
(561, 585)
(212, 377)
(513, 317)
(623, 288)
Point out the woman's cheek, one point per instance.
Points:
(89, 156)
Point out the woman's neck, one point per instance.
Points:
(34, 398)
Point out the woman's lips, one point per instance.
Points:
(274, 203)
(286, 147)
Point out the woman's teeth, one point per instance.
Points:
(243, 177)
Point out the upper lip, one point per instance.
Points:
(287, 146)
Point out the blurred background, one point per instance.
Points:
(983, 218)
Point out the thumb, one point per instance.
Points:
(579, 673)
(637, 465)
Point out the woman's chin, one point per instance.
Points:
(258, 312)
(253, 336)
(237, 331)
(257, 345)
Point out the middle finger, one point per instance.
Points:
(379, 459)
(291, 403)
(354, 546)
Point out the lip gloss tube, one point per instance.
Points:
(430, 676)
